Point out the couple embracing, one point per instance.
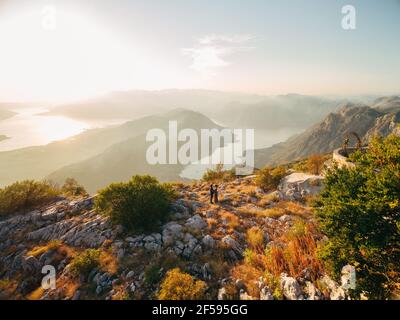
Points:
(213, 193)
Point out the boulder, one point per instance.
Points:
(245, 296)
(290, 288)
(298, 185)
(336, 292)
(222, 294)
(348, 278)
(208, 241)
(266, 294)
(30, 264)
(232, 244)
(171, 232)
(196, 223)
(311, 292)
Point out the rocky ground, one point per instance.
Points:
(206, 240)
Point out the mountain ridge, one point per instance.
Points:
(329, 134)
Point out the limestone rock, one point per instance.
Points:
(291, 288)
(196, 223)
(266, 294)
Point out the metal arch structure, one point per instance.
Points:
(347, 140)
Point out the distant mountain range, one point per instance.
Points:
(235, 110)
(276, 112)
(137, 103)
(380, 118)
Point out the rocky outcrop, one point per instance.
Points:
(291, 288)
(299, 185)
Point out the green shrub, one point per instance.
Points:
(273, 283)
(152, 274)
(140, 205)
(219, 174)
(25, 195)
(71, 187)
(85, 262)
(359, 211)
(181, 286)
(268, 179)
(249, 256)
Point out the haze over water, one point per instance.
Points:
(31, 127)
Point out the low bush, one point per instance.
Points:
(85, 262)
(268, 179)
(219, 174)
(71, 187)
(26, 195)
(315, 163)
(181, 286)
(140, 205)
(152, 274)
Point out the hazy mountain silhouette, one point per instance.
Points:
(287, 111)
(230, 109)
(137, 103)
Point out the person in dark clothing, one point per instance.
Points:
(211, 193)
(216, 194)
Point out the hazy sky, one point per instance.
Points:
(68, 49)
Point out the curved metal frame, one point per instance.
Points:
(347, 140)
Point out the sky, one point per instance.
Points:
(61, 50)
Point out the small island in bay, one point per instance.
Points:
(3, 137)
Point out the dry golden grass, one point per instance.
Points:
(275, 213)
(37, 251)
(217, 262)
(293, 252)
(269, 198)
(212, 223)
(108, 262)
(299, 253)
(9, 287)
(249, 275)
(296, 209)
(281, 208)
(233, 221)
(69, 286)
(36, 294)
(271, 213)
(255, 238)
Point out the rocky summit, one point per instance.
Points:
(211, 242)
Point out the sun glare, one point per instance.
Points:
(70, 58)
